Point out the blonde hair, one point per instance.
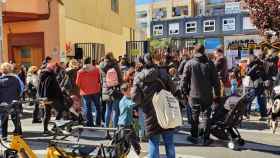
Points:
(6, 68)
(73, 64)
(32, 69)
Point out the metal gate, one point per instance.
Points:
(135, 49)
(93, 50)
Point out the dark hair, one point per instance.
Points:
(93, 62)
(220, 50)
(124, 86)
(87, 60)
(48, 58)
(199, 49)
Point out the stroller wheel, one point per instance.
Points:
(231, 145)
(241, 142)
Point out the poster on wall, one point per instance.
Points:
(211, 44)
(231, 58)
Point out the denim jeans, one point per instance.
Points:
(112, 106)
(154, 142)
(261, 103)
(88, 101)
(141, 123)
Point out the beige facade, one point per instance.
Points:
(44, 28)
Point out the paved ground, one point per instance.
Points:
(260, 142)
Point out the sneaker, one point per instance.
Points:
(36, 121)
(47, 132)
(108, 136)
(5, 139)
(262, 119)
(192, 139)
(207, 142)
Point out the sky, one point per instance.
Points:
(143, 1)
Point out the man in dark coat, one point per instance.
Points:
(198, 80)
(145, 85)
(50, 89)
(10, 90)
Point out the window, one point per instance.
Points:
(209, 26)
(174, 29)
(229, 24)
(191, 27)
(159, 13)
(247, 24)
(115, 5)
(141, 14)
(158, 30)
(180, 11)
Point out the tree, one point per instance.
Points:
(265, 14)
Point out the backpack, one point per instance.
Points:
(167, 109)
(112, 79)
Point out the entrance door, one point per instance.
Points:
(28, 56)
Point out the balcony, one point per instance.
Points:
(19, 10)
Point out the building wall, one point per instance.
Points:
(49, 27)
(95, 22)
(167, 4)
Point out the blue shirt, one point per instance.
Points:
(126, 106)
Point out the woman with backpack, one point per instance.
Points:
(145, 86)
(112, 80)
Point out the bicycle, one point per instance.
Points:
(117, 148)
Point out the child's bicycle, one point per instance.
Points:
(119, 147)
(18, 147)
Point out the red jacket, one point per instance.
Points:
(88, 80)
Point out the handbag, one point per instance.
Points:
(167, 109)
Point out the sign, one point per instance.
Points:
(232, 8)
(211, 44)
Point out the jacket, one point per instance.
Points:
(69, 82)
(88, 80)
(10, 88)
(48, 86)
(199, 79)
(145, 85)
(221, 67)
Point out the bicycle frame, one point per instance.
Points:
(21, 147)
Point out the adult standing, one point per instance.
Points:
(88, 80)
(198, 81)
(32, 82)
(145, 85)
(112, 92)
(221, 67)
(50, 89)
(10, 90)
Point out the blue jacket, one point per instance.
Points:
(10, 88)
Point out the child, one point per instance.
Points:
(233, 84)
(126, 117)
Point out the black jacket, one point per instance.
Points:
(9, 89)
(48, 86)
(144, 87)
(199, 79)
(181, 67)
(221, 67)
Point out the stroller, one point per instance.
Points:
(225, 119)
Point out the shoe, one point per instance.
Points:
(5, 139)
(108, 137)
(36, 121)
(207, 142)
(47, 132)
(192, 139)
(262, 119)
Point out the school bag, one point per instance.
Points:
(112, 79)
(167, 109)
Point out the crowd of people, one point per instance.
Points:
(120, 92)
